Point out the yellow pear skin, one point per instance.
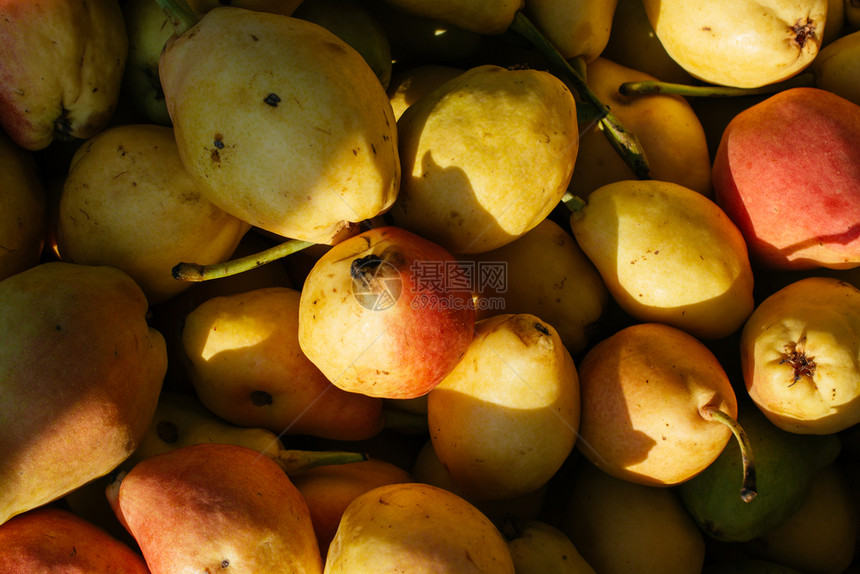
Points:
(799, 354)
(486, 156)
(544, 273)
(23, 219)
(837, 67)
(304, 147)
(621, 527)
(128, 202)
(506, 417)
(667, 254)
(666, 125)
(577, 28)
(539, 547)
(409, 85)
(740, 43)
(80, 375)
(416, 528)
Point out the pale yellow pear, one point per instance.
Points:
(837, 67)
(417, 528)
(539, 548)
(408, 86)
(303, 146)
(666, 125)
(667, 254)
(128, 202)
(577, 28)
(486, 156)
(740, 43)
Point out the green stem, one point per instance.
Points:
(196, 272)
(650, 87)
(573, 202)
(179, 14)
(748, 486)
(624, 142)
(294, 461)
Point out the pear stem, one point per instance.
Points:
(650, 87)
(179, 14)
(748, 487)
(573, 203)
(294, 461)
(625, 143)
(196, 272)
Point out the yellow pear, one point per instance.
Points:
(417, 528)
(544, 273)
(23, 219)
(409, 85)
(538, 547)
(667, 254)
(800, 356)
(737, 42)
(479, 16)
(654, 400)
(821, 536)
(666, 125)
(506, 417)
(577, 28)
(621, 527)
(128, 202)
(486, 156)
(837, 67)
(303, 146)
(80, 375)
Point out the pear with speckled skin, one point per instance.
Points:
(303, 146)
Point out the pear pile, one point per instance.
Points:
(349, 286)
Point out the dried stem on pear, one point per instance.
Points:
(651, 87)
(196, 272)
(295, 461)
(625, 143)
(748, 486)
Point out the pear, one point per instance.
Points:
(746, 566)
(545, 273)
(417, 528)
(538, 547)
(304, 147)
(244, 361)
(667, 254)
(80, 375)
(577, 28)
(286, 7)
(208, 507)
(148, 30)
(128, 202)
(23, 220)
(657, 407)
(479, 16)
(820, 537)
(785, 464)
(486, 156)
(837, 67)
(621, 527)
(61, 63)
(506, 417)
(667, 126)
(407, 86)
(739, 43)
(52, 539)
(799, 353)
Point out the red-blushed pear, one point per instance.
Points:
(216, 507)
(61, 66)
(50, 539)
(386, 313)
(787, 172)
(80, 375)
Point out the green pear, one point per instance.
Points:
(80, 375)
(23, 219)
(355, 24)
(61, 63)
(621, 527)
(739, 43)
(785, 464)
(129, 202)
(303, 147)
(486, 156)
(148, 30)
